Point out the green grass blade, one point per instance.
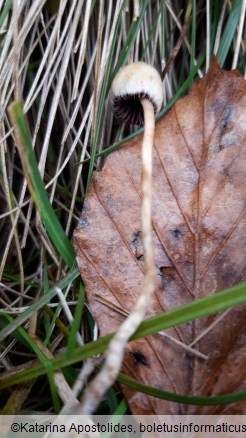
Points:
(116, 417)
(131, 37)
(162, 30)
(181, 315)
(111, 399)
(54, 321)
(70, 277)
(214, 22)
(229, 31)
(23, 336)
(53, 390)
(180, 398)
(52, 324)
(5, 11)
(46, 290)
(59, 361)
(72, 340)
(193, 35)
(191, 311)
(36, 185)
(151, 33)
(122, 408)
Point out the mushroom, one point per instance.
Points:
(130, 87)
(136, 96)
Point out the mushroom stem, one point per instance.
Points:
(113, 360)
(146, 206)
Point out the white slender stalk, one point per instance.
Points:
(114, 356)
(146, 207)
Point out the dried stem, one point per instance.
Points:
(115, 352)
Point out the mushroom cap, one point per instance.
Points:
(131, 84)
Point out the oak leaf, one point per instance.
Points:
(199, 228)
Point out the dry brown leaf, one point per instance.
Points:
(199, 225)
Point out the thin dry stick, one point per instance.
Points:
(176, 49)
(210, 327)
(115, 352)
